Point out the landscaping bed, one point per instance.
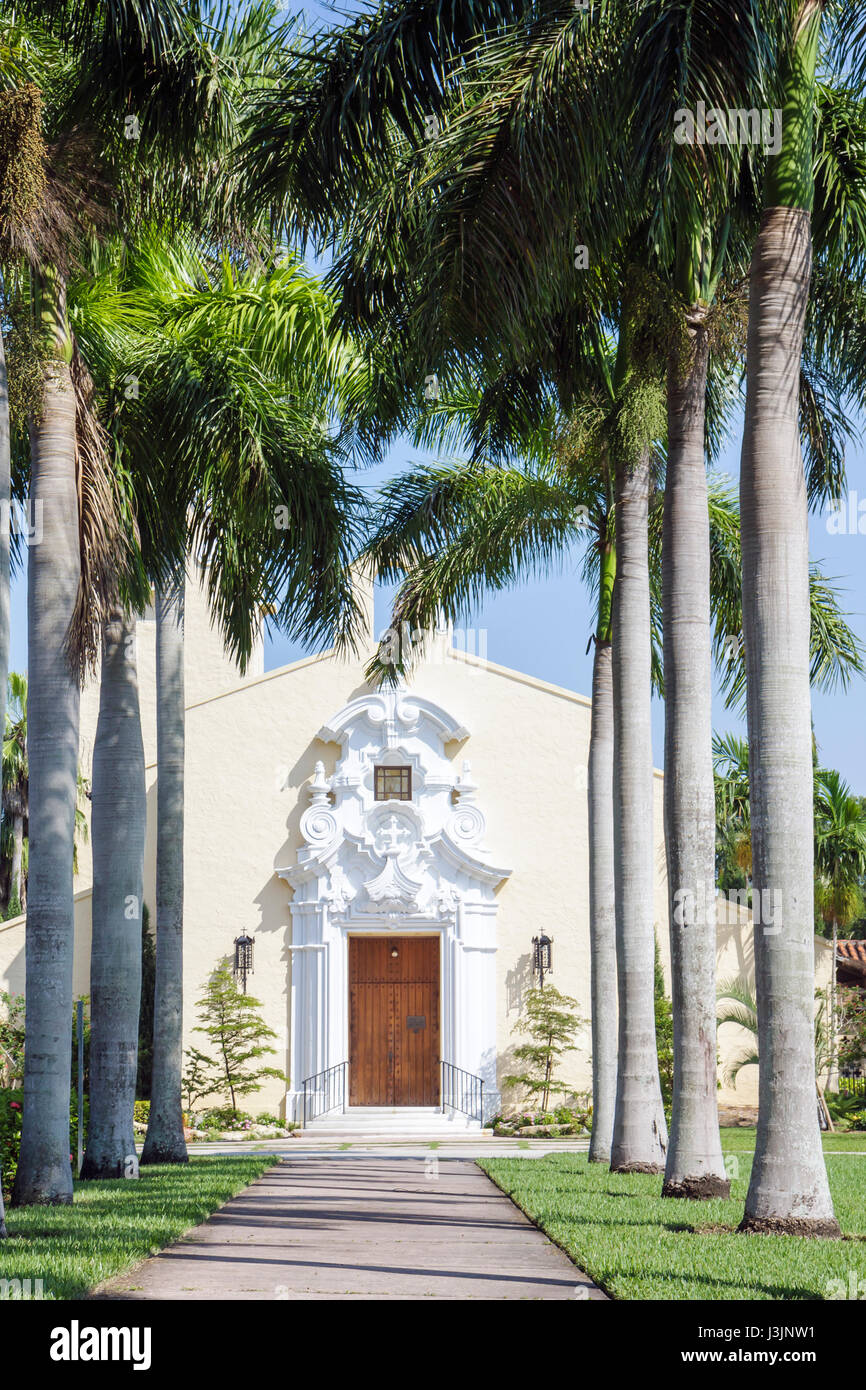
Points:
(222, 1124)
(637, 1246)
(563, 1122)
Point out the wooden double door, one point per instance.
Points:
(394, 1020)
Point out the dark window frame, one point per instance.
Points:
(384, 773)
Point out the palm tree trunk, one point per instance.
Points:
(165, 1142)
(118, 822)
(602, 915)
(695, 1166)
(16, 886)
(788, 1191)
(5, 525)
(640, 1133)
(834, 1004)
(44, 1171)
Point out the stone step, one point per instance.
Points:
(398, 1120)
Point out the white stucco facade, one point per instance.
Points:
(396, 866)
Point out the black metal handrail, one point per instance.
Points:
(462, 1091)
(324, 1092)
(852, 1082)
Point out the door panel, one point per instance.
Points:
(369, 1021)
(394, 1020)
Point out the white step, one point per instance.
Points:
(401, 1119)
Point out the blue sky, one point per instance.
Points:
(542, 627)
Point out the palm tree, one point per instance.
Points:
(788, 1190)
(54, 572)
(733, 825)
(690, 198)
(840, 865)
(164, 1142)
(232, 456)
(119, 816)
(115, 59)
(640, 1131)
(737, 1004)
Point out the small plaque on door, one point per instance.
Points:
(415, 1022)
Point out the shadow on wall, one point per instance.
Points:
(517, 981)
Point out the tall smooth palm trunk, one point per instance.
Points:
(695, 1166)
(5, 526)
(44, 1171)
(602, 914)
(165, 1141)
(17, 891)
(5, 523)
(788, 1191)
(118, 829)
(640, 1132)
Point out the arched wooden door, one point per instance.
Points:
(393, 1020)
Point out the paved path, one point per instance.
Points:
(371, 1227)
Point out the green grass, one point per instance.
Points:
(743, 1140)
(637, 1246)
(112, 1225)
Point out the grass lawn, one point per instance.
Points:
(112, 1225)
(743, 1140)
(635, 1245)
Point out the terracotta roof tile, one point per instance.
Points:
(851, 950)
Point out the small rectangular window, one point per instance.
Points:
(393, 784)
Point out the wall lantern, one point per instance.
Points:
(542, 957)
(244, 959)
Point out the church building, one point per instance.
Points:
(393, 854)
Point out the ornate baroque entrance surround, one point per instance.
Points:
(375, 867)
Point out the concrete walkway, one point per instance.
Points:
(369, 1227)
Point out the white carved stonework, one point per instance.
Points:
(370, 866)
(392, 890)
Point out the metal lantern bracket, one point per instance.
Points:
(542, 957)
(244, 958)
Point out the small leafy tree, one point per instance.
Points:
(551, 1023)
(199, 1079)
(237, 1034)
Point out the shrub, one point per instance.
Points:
(10, 1136)
(141, 1112)
(266, 1119)
(224, 1117)
(844, 1108)
(11, 1039)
